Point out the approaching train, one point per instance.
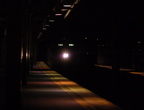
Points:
(70, 55)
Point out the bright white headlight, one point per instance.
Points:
(65, 55)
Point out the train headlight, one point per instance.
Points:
(65, 55)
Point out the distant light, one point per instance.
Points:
(68, 12)
(58, 14)
(64, 9)
(40, 33)
(67, 6)
(44, 28)
(97, 39)
(60, 45)
(71, 44)
(47, 25)
(85, 37)
(65, 55)
(27, 55)
(139, 42)
(76, 2)
(51, 20)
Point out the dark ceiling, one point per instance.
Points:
(93, 18)
(101, 16)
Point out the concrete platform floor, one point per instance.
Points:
(49, 90)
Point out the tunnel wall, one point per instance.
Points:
(128, 56)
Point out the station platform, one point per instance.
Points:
(47, 89)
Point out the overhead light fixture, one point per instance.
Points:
(58, 14)
(68, 12)
(44, 28)
(64, 9)
(71, 45)
(47, 25)
(67, 6)
(51, 20)
(139, 42)
(60, 45)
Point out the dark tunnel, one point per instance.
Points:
(97, 44)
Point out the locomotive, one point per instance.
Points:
(70, 56)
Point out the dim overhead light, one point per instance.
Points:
(44, 28)
(67, 6)
(85, 37)
(67, 13)
(51, 20)
(64, 9)
(139, 42)
(47, 25)
(71, 45)
(60, 45)
(58, 14)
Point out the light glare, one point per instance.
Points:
(65, 55)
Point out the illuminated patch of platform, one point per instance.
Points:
(51, 90)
